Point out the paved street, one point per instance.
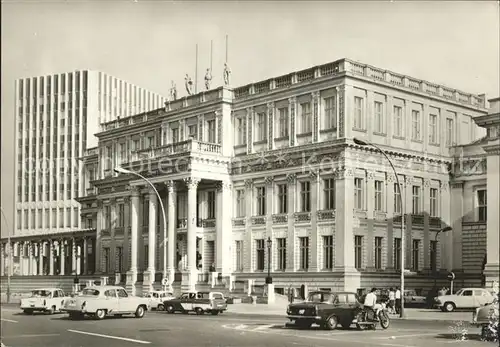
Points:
(161, 329)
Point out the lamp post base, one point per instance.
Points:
(271, 298)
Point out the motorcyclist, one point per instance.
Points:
(369, 304)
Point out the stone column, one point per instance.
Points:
(390, 197)
(408, 210)
(73, 256)
(51, 258)
(112, 227)
(344, 236)
(62, 256)
(149, 274)
(427, 210)
(223, 228)
(445, 239)
(171, 215)
(40, 258)
(31, 250)
(316, 102)
(292, 203)
(192, 185)
(370, 214)
(457, 206)
(85, 256)
(134, 226)
(126, 232)
(491, 271)
(247, 245)
(292, 110)
(270, 125)
(315, 186)
(21, 258)
(269, 221)
(98, 250)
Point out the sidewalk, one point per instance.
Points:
(411, 313)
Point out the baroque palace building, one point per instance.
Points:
(275, 161)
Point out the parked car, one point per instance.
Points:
(101, 301)
(486, 318)
(157, 297)
(412, 299)
(198, 302)
(326, 309)
(47, 300)
(467, 298)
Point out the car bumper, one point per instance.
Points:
(295, 317)
(34, 307)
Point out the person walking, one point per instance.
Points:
(398, 300)
(392, 301)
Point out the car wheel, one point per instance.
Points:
(449, 307)
(139, 313)
(199, 311)
(215, 313)
(170, 309)
(331, 322)
(160, 307)
(100, 314)
(51, 310)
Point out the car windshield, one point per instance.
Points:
(40, 293)
(459, 292)
(90, 292)
(320, 297)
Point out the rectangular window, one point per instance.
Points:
(282, 198)
(68, 217)
(61, 218)
(260, 253)
(482, 205)
(415, 199)
(358, 112)
(305, 196)
(40, 218)
(107, 260)
(304, 253)
(305, 118)
(239, 256)
(76, 217)
(282, 122)
(398, 121)
(146, 256)
(397, 199)
(261, 201)
(47, 219)
(378, 252)
(433, 129)
(450, 128)
(379, 117)
(433, 202)
(145, 213)
(175, 135)
(119, 259)
(379, 196)
(193, 131)
(397, 253)
(328, 252)
(415, 250)
(260, 131)
(240, 203)
(281, 252)
(433, 255)
(211, 131)
(211, 205)
(123, 153)
(358, 194)
(358, 251)
(329, 193)
(240, 131)
(121, 215)
(330, 113)
(415, 125)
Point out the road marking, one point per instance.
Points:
(29, 335)
(110, 337)
(8, 320)
(404, 336)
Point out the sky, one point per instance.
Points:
(150, 43)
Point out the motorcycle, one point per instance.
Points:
(382, 318)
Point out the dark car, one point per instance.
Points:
(198, 302)
(326, 309)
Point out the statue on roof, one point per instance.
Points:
(208, 79)
(173, 92)
(227, 74)
(189, 84)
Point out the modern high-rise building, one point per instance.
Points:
(56, 119)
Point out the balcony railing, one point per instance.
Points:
(258, 220)
(91, 191)
(281, 218)
(301, 217)
(239, 222)
(435, 222)
(326, 215)
(380, 216)
(417, 219)
(208, 223)
(182, 223)
(187, 146)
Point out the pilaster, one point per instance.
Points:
(270, 125)
(126, 233)
(292, 111)
(292, 192)
(493, 206)
(391, 180)
(370, 224)
(40, 258)
(316, 100)
(446, 258)
(457, 204)
(192, 186)
(112, 226)
(315, 186)
(427, 208)
(85, 256)
(134, 226)
(62, 256)
(269, 220)
(224, 228)
(171, 202)
(249, 123)
(98, 251)
(247, 265)
(74, 250)
(408, 209)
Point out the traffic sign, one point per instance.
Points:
(451, 276)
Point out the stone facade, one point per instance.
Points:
(276, 161)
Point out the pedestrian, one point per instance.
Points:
(398, 300)
(392, 300)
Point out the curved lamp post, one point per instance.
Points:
(125, 171)
(434, 255)
(269, 279)
(9, 270)
(366, 143)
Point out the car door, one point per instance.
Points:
(466, 299)
(111, 301)
(125, 304)
(187, 301)
(340, 305)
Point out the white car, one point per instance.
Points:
(157, 297)
(47, 300)
(101, 301)
(467, 298)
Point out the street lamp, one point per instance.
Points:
(366, 143)
(125, 171)
(434, 254)
(269, 279)
(10, 255)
